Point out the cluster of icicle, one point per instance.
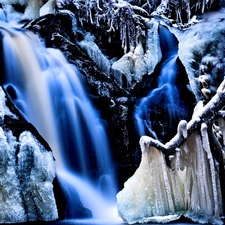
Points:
(127, 18)
(113, 16)
(190, 186)
(184, 9)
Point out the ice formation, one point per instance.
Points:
(95, 53)
(32, 9)
(191, 185)
(36, 171)
(140, 60)
(183, 9)
(48, 8)
(123, 69)
(27, 170)
(4, 110)
(150, 192)
(153, 53)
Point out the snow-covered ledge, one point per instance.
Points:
(193, 183)
(27, 170)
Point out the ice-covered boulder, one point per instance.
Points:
(27, 170)
(191, 187)
(48, 8)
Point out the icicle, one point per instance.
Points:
(167, 185)
(97, 2)
(111, 28)
(200, 167)
(207, 183)
(124, 37)
(182, 128)
(90, 16)
(222, 127)
(203, 6)
(157, 188)
(178, 176)
(206, 146)
(188, 11)
(189, 172)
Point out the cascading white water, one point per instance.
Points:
(49, 93)
(166, 94)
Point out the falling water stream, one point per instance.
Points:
(49, 93)
(164, 99)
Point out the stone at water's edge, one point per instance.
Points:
(27, 170)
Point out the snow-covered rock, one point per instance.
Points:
(27, 170)
(33, 9)
(201, 50)
(48, 8)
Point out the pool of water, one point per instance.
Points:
(182, 221)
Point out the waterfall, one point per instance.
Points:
(50, 94)
(163, 101)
